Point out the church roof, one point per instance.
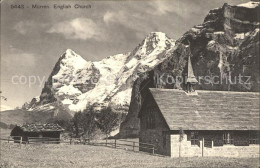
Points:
(208, 110)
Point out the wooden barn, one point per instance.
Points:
(200, 123)
(49, 130)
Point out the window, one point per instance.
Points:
(150, 118)
(194, 138)
(253, 137)
(228, 138)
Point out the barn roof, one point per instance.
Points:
(49, 127)
(208, 110)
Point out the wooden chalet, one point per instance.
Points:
(49, 130)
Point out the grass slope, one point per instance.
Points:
(68, 156)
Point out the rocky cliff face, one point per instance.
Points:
(76, 83)
(224, 47)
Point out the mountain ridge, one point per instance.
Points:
(77, 83)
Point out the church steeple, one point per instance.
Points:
(191, 79)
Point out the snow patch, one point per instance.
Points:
(37, 98)
(195, 30)
(123, 97)
(45, 107)
(240, 36)
(220, 64)
(219, 32)
(212, 42)
(249, 4)
(68, 90)
(232, 48)
(113, 133)
(67, 101)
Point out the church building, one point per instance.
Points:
(189, 123)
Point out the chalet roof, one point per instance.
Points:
(208, 110)
(49, 127)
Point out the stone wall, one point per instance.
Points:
(209, 149)
(233, 151)
(184, 149)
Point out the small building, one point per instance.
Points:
(200, 123)
(49, 130)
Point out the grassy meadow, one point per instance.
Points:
(70, 156)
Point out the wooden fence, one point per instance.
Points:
(48, 140)
(15, 139)
(45, 140)
(119, 143)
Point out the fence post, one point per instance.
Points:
(202, 146)
(212, 143)
(8, 139)
(133, 146)
(115, 143)
(21, 141)
(106, 141)
(153, 150)
(70, 141)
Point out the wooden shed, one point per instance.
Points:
(47, 130)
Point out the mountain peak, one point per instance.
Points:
(156, 36)
(154, 41)
(71, 58)
(70, 53)
(69, 61)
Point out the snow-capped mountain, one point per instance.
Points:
(225, 46)
(76, 83)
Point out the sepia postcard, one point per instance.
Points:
(129, 83)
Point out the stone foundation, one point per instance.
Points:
(187, 150)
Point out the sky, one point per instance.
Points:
(32, 40)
